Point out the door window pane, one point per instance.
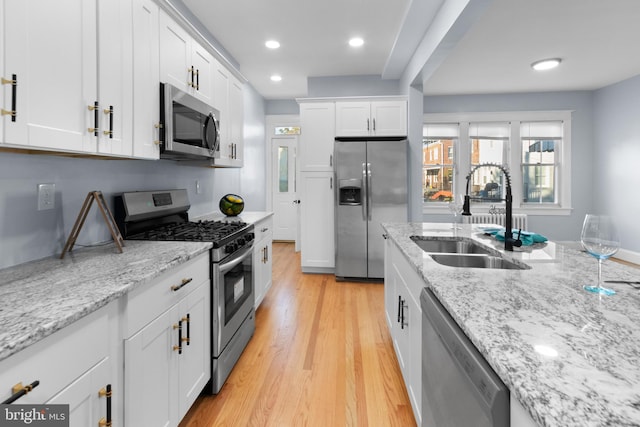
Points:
(283, 169)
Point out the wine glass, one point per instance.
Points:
(455, 206)
(600, 239)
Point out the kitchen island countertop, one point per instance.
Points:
(41, 297)
(571, 358)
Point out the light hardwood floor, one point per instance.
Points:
(321, 356)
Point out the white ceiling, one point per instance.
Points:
(596, 39)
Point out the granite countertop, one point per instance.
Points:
(41, 297)
(250, 217)
(570, 357)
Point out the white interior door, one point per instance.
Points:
(285, 206)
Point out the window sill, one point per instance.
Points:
(443, 209)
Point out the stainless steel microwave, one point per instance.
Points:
(190, 129)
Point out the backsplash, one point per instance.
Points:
(27, 234)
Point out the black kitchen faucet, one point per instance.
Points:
(509, 241)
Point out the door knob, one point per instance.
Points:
(296, 202)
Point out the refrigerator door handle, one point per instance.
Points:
(365, 192)
(369, 201)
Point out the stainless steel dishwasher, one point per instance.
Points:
(459, 388)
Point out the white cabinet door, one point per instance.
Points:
(184, 63)
(194, 362)
(317, 134)
(402, 296)
(262, 258)
(236, 121)
(389, 118)
(317, 222)
(115, 77)
(87, 398)
(390, 279)
(374, 118)
(229, 101)
(146, 79)
(353, 118)
(54, 61)
(203, 64)
(175, 54)
(151, 373)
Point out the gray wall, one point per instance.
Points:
(351, 86)
(27, 234)
(616, 166)
(582, 104)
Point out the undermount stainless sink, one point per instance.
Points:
(449, 246)
(476, 261)
(464, 253)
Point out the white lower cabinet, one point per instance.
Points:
(317, 239)
(89, 397)
(402, 308)
(262, 259)
(167, 362)
(72, 367)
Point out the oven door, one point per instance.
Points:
(233, 296)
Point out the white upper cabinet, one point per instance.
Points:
(115, 78)
(63, 70)
(317, 134)
(375, 118)
(228, 100)
(146, 79)
(184, 63)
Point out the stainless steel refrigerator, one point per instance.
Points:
(371, 188)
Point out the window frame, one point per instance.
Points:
(462, 159)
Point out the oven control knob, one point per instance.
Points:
(230, 248)
(241, 241)
(249, 237)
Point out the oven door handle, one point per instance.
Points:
(236, 260)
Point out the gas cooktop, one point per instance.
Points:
(205, 231)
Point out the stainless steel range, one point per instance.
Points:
(162, 215)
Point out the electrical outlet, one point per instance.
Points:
(46, 196)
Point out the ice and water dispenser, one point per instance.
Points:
(350, 192)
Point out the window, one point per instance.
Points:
(489, 142)
(534, 146)
(438, 161)
(539, 161)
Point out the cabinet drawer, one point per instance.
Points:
(59, 359)
(149, 301)
(263, 228)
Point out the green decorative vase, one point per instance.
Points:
(231, 205)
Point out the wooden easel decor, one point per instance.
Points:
(82, 216)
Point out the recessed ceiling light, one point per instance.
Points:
(276, 78)
(272, 44)
(546, 64)
(356, 42)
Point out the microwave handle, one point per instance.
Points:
(211, 120)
